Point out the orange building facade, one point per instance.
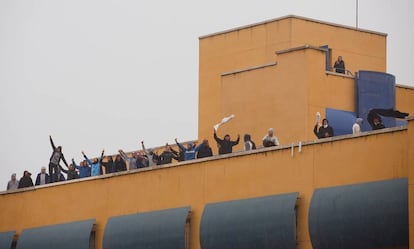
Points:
(353, 191)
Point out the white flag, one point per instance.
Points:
(223, 121)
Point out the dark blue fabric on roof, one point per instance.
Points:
(360, 216)
(163, 229)
(6, 239)
(257, 223)
(62, 236)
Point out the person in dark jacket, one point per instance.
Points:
(109, 165)
(119, 164)
(323, 131)
(225, 145)
(167, 155)
(375, 120)
(26, 180)
(71, 172)
(339, 65)
(205, 150)
(189, 151)
(55, 158)
(43, 177)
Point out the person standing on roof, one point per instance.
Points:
(55, 158)
(339, 65)
(225, 145)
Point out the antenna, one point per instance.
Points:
(356, 14)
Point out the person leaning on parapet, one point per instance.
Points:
(132, 161)
(375, 120)
(150, 154)
(55, 158)
(270, 139)
(26, 180)
(70, 172)
(119, 164)
(13, 184)
(84, 169)
(205, 150)
(43, 177)
(167, 155)
(109, 165)
(190, 151)
(356, 128)
(339, 65)
(324, 130)
(225, 145)
(248, 143)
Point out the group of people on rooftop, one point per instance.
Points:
(122, 161)
(149, 157)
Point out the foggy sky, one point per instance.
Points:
(107, 74)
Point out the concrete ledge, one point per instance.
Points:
(220, 157)
(250, 68)
(404, 86)
(293, 17)
(339, 74)
(306, 46)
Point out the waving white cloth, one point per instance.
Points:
(223, 121)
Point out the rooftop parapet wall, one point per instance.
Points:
(335, 161)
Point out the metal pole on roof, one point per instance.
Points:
(356, 14)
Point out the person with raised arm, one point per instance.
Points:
(225, 145)
(55, 158)
(84, 169)
(96, 165)
(150, 154)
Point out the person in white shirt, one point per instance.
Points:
(270, 140)
(42, 178)
(13, 184)
(356, 128)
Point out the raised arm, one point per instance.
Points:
(102, 155)
(218, 140)
(124, 156)
(180, 145)
(74, 164)
(62, 169)
(51, 143)
(237, 140)
(86, 158)
(64, 160)
(143, 148)
(315, 131)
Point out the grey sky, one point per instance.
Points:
(106, 74)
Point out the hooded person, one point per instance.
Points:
(324, 130)
(270, 139)
(375, 120)
(248, 143)
(26, 180)
(356, 128)
(225, 145)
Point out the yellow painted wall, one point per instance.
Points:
(360, 50)
(256, 45)
(405, 99)
(245, 175)
(285, 96)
